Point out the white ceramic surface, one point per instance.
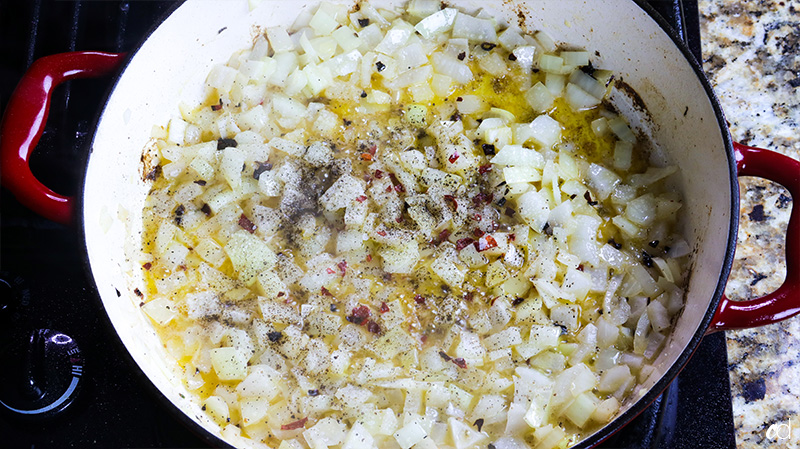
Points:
(171, 67)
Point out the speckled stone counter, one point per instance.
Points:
(751, 53)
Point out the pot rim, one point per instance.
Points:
(593, 439)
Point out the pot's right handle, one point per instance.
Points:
(24, 121)
(785, 301)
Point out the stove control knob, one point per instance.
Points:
(42, 374)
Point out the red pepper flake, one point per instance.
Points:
(147, 266)
(325, 291)
(384, 307)
(330, 270)
(454, 157)
(452, 199)
(461, 363)
(399, 219)
(443, 236)
(482, 198)
(463, 243)
(388, 189)
(299, 424)
(477, 217)
(369, 257)
(444, 355)
(468, 296)
(374, 327)
(342, 266)
(282, 293)
(483, 169)
(478, 233)
(217, 107)
(381, 233)
(366, 157)
(419, 299)
(361, 198)
(509, 212)
(359, 315)
(399, 188)
(246, 224)
(580, 267)
(512, 237)
(423, 339)
(378, 174)
(485, 242)
(373, 149)
(393, 178)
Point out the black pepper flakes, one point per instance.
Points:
(488, 46)
(512, 57)
(380, 66)
(478, 423)
(517, 301)
(179, 211)
(363, 94)
(206, 209)
(647, 259)
(347, 122)
(363, 22)
(488, 149)
(261, 167)
(461, 56)
(588, 197)
(225, 143)
(313, 393)
(653, 244)
(274, 336)
(614, 243)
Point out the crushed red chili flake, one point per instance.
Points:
(282, 293)
(147, 266)
(454, 157)
(342, 266)
(580, 267)
(246, 224)
(477, 217)
(378, 174)
(451, 199)
(299, 424)
(399, 219)
(463, 243)
(481, 198)
(443, 236)
(366, 157)
(330, 270)
(444, 355)
(419, 299)
(389, 188)
(399, 188)
(374, 327)
(468, 296)
(477, 232)
(381, 233)
(372, 149)
(512, 237)
(325, 291)
(484, 169)
(361, 198)
(369, 257)
(485, 242)
(359, 315)
(384, 307)
(461, 363)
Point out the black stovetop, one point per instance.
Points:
(50, 289)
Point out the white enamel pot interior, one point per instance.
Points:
(171, 66)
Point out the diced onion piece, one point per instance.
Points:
(279, 39)
(474, 29)
(452, 67)
(621, 129)
(539, 98)
(436, 23)
(229, 363)
(543, 130)
(579, 99)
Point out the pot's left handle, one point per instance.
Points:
(24, 121)
(784, 302)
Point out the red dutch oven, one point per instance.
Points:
(683, 116)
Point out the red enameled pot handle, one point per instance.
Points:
(24, 121)
(785, 301)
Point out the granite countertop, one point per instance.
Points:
(751, 53)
